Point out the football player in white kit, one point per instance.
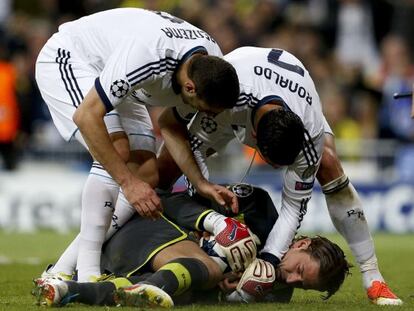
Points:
(96, 74)
(273, 81)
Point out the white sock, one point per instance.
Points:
(98, 202)
(67, 261)
(123, 212)
(348, 217)
(214, 222)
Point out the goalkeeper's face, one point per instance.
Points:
(298, 268)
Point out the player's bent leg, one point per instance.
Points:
(169, 170)
(142, 164)
(190, 250)
(346, 212)
(66, 264)
(180, 275)
(137, 124)
(98, 202)
(170, 280)
(123, 212)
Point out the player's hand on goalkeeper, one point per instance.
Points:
(256, 282)
(143, 198)
(220, 194)
(238, 243)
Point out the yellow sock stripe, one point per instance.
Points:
(101, 278)
(182, 237)
(197, 224)
(121, 282)
(182, 274)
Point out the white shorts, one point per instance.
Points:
(64, 76)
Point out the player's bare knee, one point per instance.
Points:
(214, 273)
(189, 249)
(143, 164)
(151, 177)
(153, 180)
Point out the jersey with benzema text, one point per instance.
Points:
(136, 52)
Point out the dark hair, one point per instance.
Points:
(333, 266)
(215, 80)
(280, 136)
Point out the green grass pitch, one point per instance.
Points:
(24, 256)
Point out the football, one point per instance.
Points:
(214, 250)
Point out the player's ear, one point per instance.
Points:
(189, 87)
(302, 243)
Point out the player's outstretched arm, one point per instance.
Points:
(89, 119)
(175, 137)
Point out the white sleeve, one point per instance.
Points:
(131, 65)
(297, 190)
(208, 135)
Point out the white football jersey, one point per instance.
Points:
(265, 75)
(136, 52)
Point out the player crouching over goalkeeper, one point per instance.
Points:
(157, 263)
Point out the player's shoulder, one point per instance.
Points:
(183, 37)
(245, 53)
(247, 61)
(255, 55)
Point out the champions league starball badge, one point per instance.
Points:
(208, 125)
(119, 88)
(242, 190)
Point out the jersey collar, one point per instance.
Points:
(198, 49)
(265, 101)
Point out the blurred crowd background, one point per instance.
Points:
(359, 52)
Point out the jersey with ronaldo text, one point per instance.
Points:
(270, 75)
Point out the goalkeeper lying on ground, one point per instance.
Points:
(145, 256)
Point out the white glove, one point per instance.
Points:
(238, 243)
(257, 280)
